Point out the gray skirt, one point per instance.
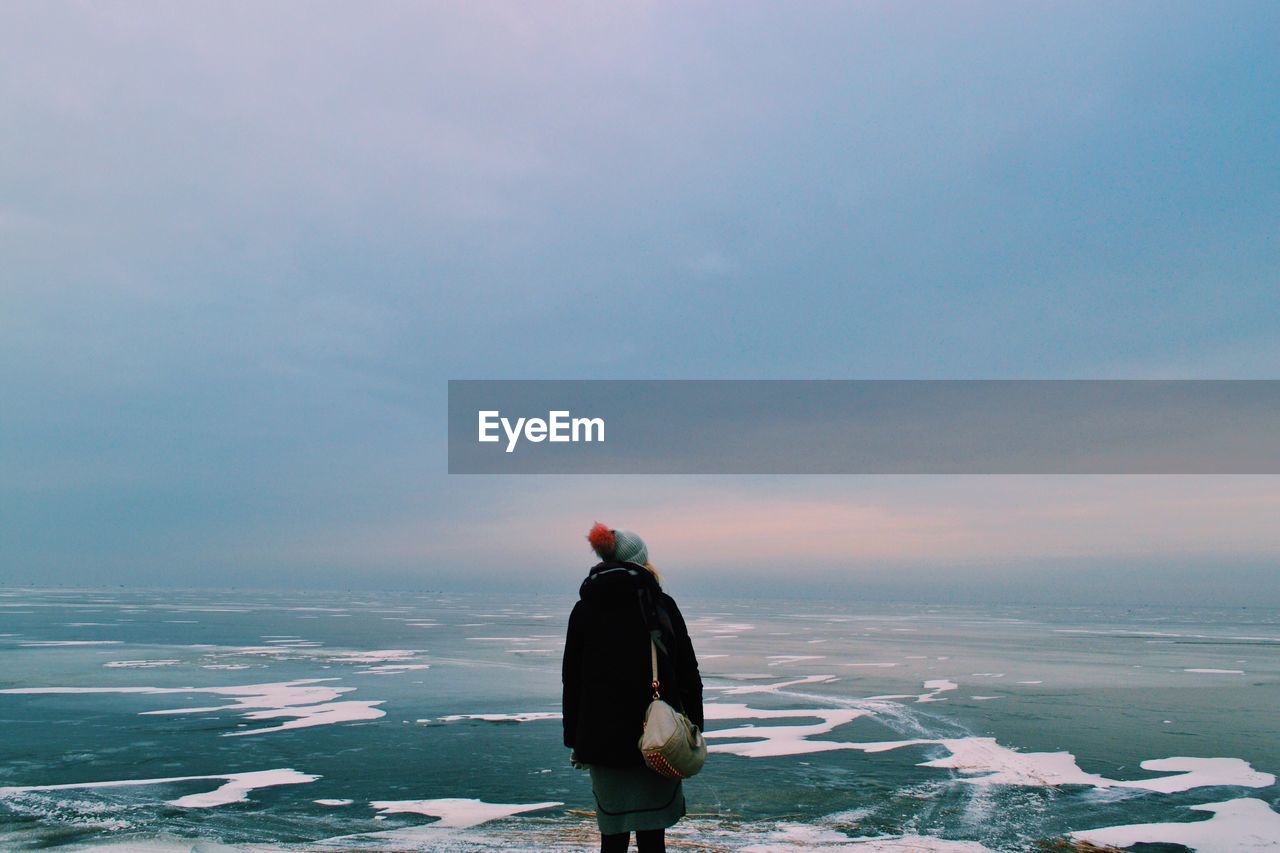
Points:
(635, 798)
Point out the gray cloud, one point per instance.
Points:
(244, 246)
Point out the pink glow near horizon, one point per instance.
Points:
(925, 519)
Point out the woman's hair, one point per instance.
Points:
(653, 571)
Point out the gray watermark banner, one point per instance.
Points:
(864, 427)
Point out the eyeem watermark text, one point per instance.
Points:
(559, 426)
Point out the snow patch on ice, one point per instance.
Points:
(936, 686)
(383, 656)
(458, 813)
(776, 686)
(44, 644)
(1000, 765)
(790, 836)
(1236, 825)
(140, 664)
(235, 789)
(305, 700)
(525, 717)
(777, 740)
(778, 660)
(392, 668)
(982, 761)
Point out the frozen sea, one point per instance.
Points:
(163, 720)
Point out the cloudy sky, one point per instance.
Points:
(243, 246)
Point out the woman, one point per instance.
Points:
(607, 688)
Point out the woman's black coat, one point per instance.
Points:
(607, 664)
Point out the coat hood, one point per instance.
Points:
(617, 584)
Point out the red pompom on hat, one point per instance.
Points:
(602, 541)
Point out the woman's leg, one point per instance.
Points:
(616, 843)
(651, 841)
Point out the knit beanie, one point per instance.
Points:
(622, 545)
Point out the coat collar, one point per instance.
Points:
(617, 573)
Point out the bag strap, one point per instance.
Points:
(653, 658)
(655, 619)
(656, 645)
